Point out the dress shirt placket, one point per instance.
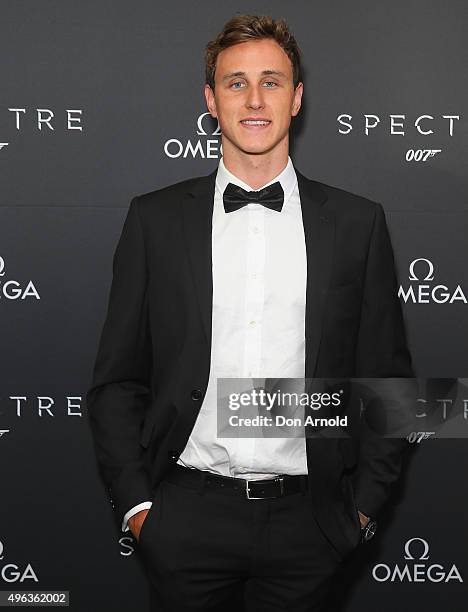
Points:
(253, 309)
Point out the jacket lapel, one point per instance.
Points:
(319, 228)
(197, 218)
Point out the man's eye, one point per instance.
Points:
(240, 83)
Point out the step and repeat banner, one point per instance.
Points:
(102, 101)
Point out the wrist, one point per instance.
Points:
(368, 526)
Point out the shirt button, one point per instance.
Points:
(255, 229)
(196, 394)
(253, 323)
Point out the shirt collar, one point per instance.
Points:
(287, 177)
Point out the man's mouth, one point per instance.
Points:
(256, 124)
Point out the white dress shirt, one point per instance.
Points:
(258, 326)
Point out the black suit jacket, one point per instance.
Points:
(153, 360)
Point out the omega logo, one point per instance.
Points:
(430, 274)
(201, 131)
(422, 269)
(423, 557)
(11, 572)
(12, 289)
(415, 572)
(207, 148)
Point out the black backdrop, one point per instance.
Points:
(100, 101)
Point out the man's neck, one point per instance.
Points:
(255, 170)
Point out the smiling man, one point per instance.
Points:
(254, 106)
(255, 271)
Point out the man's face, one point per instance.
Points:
(254, 80)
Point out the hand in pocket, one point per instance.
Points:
(136, 521)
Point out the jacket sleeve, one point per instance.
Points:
(381, 352)
(121, 383)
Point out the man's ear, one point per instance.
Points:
(210, 101)
(297, 99)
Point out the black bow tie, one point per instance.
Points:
(234, 197)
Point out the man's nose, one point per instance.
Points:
(255, 98)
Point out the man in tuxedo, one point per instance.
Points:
(254, 270)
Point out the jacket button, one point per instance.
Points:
(196, 394)
(173, 456)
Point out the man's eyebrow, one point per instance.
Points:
(240, 73)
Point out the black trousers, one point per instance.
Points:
(205, 550)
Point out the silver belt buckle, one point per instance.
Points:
(247, 490)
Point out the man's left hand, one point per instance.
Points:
(363, 518)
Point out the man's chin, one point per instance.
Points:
(255, 148)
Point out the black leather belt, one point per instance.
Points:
(279, 486)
